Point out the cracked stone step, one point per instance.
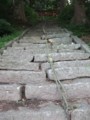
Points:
(54, 30)
(84, 45)
(74, 90)
(15, 44)
(64, 40)
(33, 40)
(61, 56)
(22, 77)
(27, 46)
(10, 92)
(29, 50)
(41, 46)
(65, 73)
(69, 46)
(10, 65)
(17, 56)
(55, 36)
(43, 49)
(48, 111)
(77, 63)
(81, 113)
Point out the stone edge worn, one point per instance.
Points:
(83, 44)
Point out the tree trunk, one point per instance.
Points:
(79, 12)
(62, 4)
(19, 12)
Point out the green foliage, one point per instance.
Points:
(5, 27)
(79, 30)
(5, 6)
(44, 4)
(66, 15)
(5, 39)
(32, 15)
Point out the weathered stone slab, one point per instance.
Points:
(53, 30)
(5, 64)
(32, 39)
(45, 112)
(27, 46)
(64, 40)
(61, 56)
(65, 73)
(81, 113)
(41, 46)
(10, 92)
(33, 50)
(43, 49)
(69, 46)
(83, 44)
(15, 44)
(77, 89)
(77, 63)
(55, 36)
(20, 55)
(70, 50)
(21, 76)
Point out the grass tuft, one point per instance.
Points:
(6, 38)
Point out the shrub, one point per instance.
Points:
(66, 15)
(32, 15)
(5, 27)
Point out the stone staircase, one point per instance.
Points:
(27, 85)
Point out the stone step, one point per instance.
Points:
(69, 46)
(30, 50)
(55, 36)
(46, 111)
(12, 65)
(64, 40)
(61, 56)
(34, 41)
(81, 113)
(53, 30)
(15, 44)
(27, 46)
(44, 46)
(37, 50)
(65, 73)
(30, 39)
(74, 90)
(77, 63)
(17, 56)
(22, 77)
(84, 45)
(10, 92)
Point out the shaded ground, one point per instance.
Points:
(86, 39)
